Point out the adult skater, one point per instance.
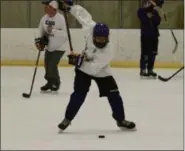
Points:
(52, 27)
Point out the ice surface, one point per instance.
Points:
(156, 107)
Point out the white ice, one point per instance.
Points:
(156, 107)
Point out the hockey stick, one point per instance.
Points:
(173, 35)
(67, 27)
(167, 79)
(26, 95)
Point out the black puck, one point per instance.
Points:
(101, 136)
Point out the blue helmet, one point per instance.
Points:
(101, 30)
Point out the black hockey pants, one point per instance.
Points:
(149, 50)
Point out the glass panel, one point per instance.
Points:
(104, 11)
(175, 14)
(14, 14)
(129, 11)
(116, 13)
(37, 11)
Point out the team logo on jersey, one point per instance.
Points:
(50, 23)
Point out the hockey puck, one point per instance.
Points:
(101, 136)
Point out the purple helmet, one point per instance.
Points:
(101, 30)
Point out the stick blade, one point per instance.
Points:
(163, 79)
(25, 95)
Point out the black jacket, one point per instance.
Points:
(149, 26)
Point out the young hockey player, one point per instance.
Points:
(52, 27)
(95, 66)
(150, 18)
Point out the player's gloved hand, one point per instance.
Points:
(76, 59)
(39, 46)
(65, 5)
(40, 43)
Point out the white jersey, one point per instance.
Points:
(101, 58)
(55, 27)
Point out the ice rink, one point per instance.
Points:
(156, 107)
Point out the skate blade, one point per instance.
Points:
(152, 77)
(143, 77)
(148, 78)
(49, 92)
(126, 129)
(60, 131)
(45, 91)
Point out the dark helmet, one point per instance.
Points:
(100, 30)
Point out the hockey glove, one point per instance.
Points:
(41, 43)
(76, 59)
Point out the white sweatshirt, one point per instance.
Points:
(101, 58)
(56, 32)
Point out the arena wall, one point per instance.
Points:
(17, 47)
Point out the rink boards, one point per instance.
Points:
(17, 47)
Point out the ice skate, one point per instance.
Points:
(126, 125)
(63, 125)
(55, 86)
(46, 87)
(143, 74)
(152, 74)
